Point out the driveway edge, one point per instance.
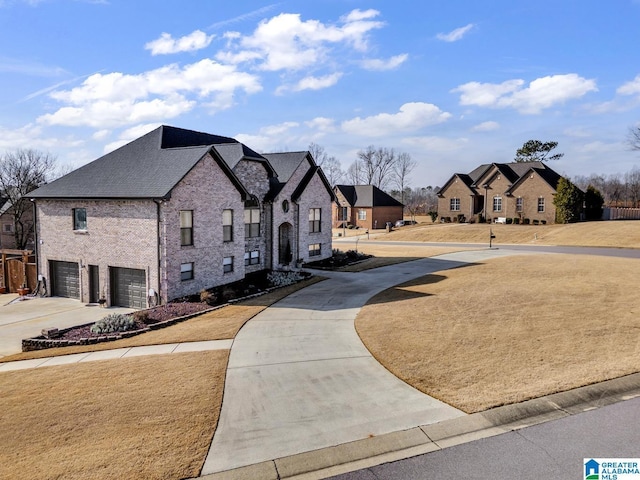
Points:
(404, 444)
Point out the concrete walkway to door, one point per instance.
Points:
(300, 379)
(26, 318)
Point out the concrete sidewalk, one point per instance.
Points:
(116, 353)
(300, 379)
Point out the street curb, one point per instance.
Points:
(423, 439)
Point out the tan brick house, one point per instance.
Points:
(522, 192)
(171, 213)
(365, 206)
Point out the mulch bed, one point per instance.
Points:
(154, 315)
(338, 260)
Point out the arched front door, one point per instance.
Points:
(285, 244)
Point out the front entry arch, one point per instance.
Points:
(285, 243)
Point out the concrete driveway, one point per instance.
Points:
(300, 379)
(27, 318)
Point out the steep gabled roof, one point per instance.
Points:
(466, 179)
(148, 167)
(285, 164)
(367, 196)
(547, 174)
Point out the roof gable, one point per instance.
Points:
(148, 167)
(367, 196)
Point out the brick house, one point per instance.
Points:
(172, 213)
(365, 206)
(8, 226)
(497, 191)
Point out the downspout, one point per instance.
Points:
(157, 202)
(35, 242)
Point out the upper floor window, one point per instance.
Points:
(314, 219)
(186, 227)
(519, 204)
(541, 205)
(497, 204)
(251, 222)
(79, 218)
(362, 214)
(227, 225)
(454, 204)
(7, 227)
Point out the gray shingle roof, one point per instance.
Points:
(148, 167)
(367, 196)
(285, 163)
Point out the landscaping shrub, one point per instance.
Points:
(433, 215)
(509, 221)
(141, 316)
(543, 222)
(283, 279)
(116, 322)
(208, 297)
(516, 220)
(526, 221)
(536, 221)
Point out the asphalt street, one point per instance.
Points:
(553, 450)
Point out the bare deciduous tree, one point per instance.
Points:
(21, 172)
(329, 164)
(633, 137)
(402, 168)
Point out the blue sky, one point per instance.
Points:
(454, 84)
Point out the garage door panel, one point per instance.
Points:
(129, 287)
(65, 278)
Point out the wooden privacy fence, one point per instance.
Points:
(17, 268)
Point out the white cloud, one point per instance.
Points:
(630, 88)
(32, 136)
(541, 93)
(486, 127)
(166, 44)
(381, 65)
(313, 83)
(285, 42)
(101, 135)
(322, 124)
(456, 34)
(410, 117)
(117, 99)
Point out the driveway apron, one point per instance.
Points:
(300, 379)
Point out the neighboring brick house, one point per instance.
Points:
(365, 206)
(175, 212)
(8, 226)
(522, 191)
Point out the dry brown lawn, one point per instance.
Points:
(136, 418)
(219, 324)
(509, 329)
(602, 234)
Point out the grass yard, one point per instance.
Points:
(509, 329)
(624, 234)
(136, 418)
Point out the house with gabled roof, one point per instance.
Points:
(174, 212)
(365, 206)
(496, 191)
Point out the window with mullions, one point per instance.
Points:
(362, 214)
(497, 204)
(227, 225)
(251, 222)
(314, 219)
(186, 227)
(252, 258)
(519, 204)
(315, 249)
(541, 205)
(454, 204)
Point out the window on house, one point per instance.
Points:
(497, 204)
(252, 258)
(519, 204)
(227, 264)
(362, 214)
(79, 218)
(454, 204)
(227, 225)
(186, 227)
(315, 249)
(541, 205)
(7, 227)
(251, 222)
(314, 219)
(186, 271)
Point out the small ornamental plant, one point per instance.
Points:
(116, 322)
(283, 279)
